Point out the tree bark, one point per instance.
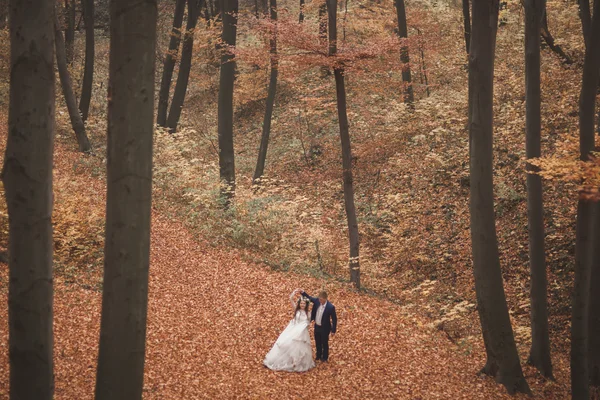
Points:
(225, 113)
(266, 132)
(185, 66)
(539, 355)
(409, 97)
(323, 23)
(594, 308)
(128, 200)
(169, 64)
(3, 13)
(338, 70)
(67, 86)
(27, 178)
(466, 23)
(70, 30)
(88, 72)
(502, 356)
(586, 20)
(585, 215)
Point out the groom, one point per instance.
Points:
(323, 313)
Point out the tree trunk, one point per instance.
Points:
(549, 40)
(502, 357)
(218, 9)
(67, 86)
(586, 20)
(225, 113)
(585, 215)
(323, 23)
(27, 178)
(466, 23)
(338, 70)
(264, 142)
(3, 13)
(301, 13)
(594, 309)
(185, 65)
(70, 30)
(169, 64)
(88, 73)
(539, 355)
(409, 97)
(128, 200)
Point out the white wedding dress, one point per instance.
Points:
(292, 351)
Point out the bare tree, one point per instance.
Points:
(409, 97)
(549, 40)
(88, 72)
(539, 355)
(3, 13)
(27, 178)
(169, 64)
(501, 350)
(466, 23)
(185, 65)
(264, 142)
(225, 113)
(340, 89)
(585, 215)
(70, 30)
(67, 86)
(128, 200)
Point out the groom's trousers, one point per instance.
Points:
(322, 343)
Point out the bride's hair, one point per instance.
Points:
(306, 304)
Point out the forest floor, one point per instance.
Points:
(212, 317)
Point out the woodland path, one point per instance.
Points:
(212, 317)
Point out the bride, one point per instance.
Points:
(292, 351)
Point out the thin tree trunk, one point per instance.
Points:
(338, 70)
(501, 351)
(3, 14)
(128, 200)
(301, 13)
(264, 142)
(185, 66)
(539, 355)
(466, 23)
(27, 178)
(423, 66)
(212, 8)
(218, 9)
(70, 30)
(169, 64)
(323, 23)
(586, 19)
(88, 73)
(549, 40)
(225, 113)
(67, 86)
(409, 97)
(585, 215)
(594, 309)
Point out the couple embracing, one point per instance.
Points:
(292, 351)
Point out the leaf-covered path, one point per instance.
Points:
(212, 317)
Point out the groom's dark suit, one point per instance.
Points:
(328, 325)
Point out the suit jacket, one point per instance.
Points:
(329, 319)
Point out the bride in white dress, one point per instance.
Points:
(292, 351)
